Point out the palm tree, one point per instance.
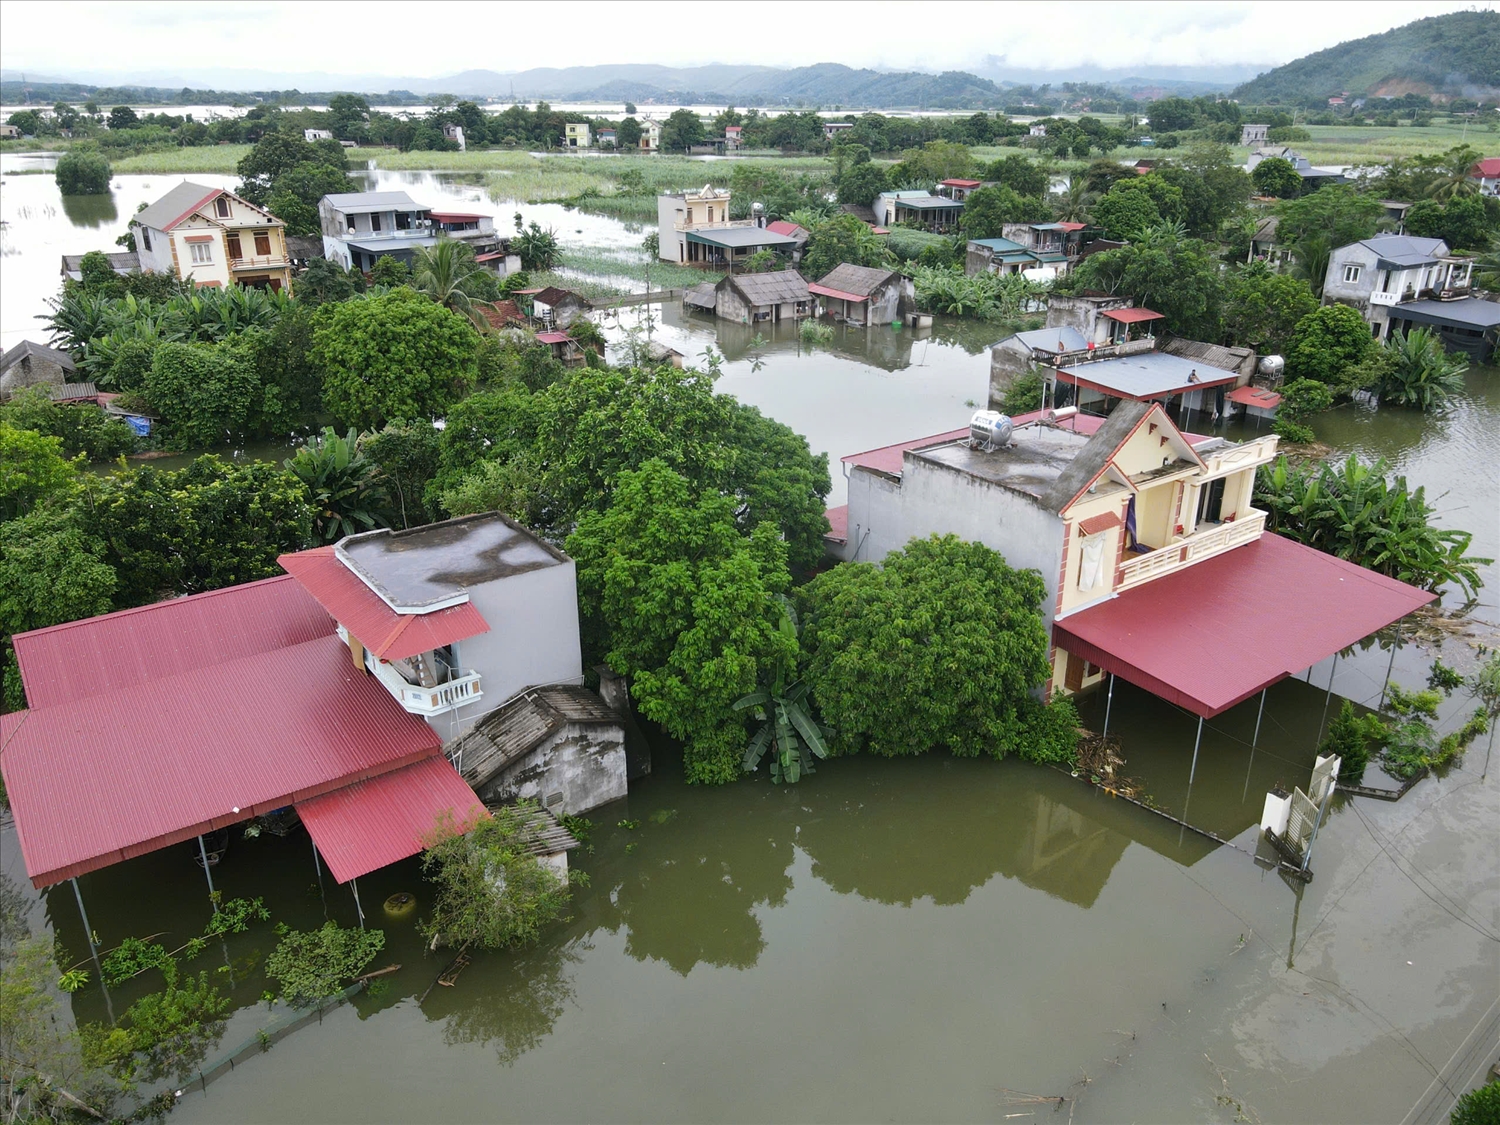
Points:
(1487, 267)
(1453, 174)
(1073, 202)
(1310, 260)
(782, 707)
(343, 485)
(446, 272)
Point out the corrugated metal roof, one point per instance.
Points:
(861, 280)
(1063, 338)
(770, 288)
(371, 824)
(838, 294)
(1471, 312)
(997, 244)
(386, 633)
(739, 238)
(132, 647)
(1133, 316)
(838, 524)
(1222, 356)
(1259, 397)
(553, 338)
(791, 230)
(356, 202)
(1145, 376)
(1206, 637)
(1490, 166)
(125, 772)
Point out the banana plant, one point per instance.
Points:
(342, 483)
(786, 723)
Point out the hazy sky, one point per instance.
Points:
(62, 38)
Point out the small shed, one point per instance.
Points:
(663, 356)
(1257, 403)
(123, 262)
(558, 308)
(29, 364)
(862, 295)
(754, 298)
(701, 298)
(564, 348)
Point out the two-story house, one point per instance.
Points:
(694, 226)
(213, 238)
(1378, 274)
(576, 135)
(650, 135)
(360, 227)
(1486, 175)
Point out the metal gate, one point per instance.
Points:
(1300, 822)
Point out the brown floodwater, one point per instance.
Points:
(921, 938)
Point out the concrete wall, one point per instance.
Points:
(157, 258)
(533, 637)
(893, 301)
(216, 269)
(582, 765)
(1008, 359)
(672, 243)
(1083, 313)
(1356, 294)
(31, 371)
(885, 515)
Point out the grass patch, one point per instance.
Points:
(208, 158)
(608, 268)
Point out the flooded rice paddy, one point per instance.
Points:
(894, 940)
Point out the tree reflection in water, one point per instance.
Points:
(515, 1004)
(90, 210)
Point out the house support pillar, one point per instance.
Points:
(1196, 743)
(318, 867)
(354, 883)
(88, 933)
(1108, 703)
(1258, 716)
(1327, 699)
(1389, 668)
(213, 895)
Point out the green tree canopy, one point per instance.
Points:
(32, 470)
(680, 601)
(395, 356)
(683, 127)
(943, 644)
(204, 392)
(1262, 308)
(1178, 277)
(1020, 173)
(861, 183)
(841, 239)
(83, 171)
(988, 209)
(1464, 222)
(1337, 213)
(1328, 344)
(1124, 213)
(1278, 177)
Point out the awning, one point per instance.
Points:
(1134, 316)
(370, 825)
(1212, 634)
(1258, 397)
(839, 294)
(386, 633)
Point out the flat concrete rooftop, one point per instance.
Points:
(1036, 457)
(425, 566)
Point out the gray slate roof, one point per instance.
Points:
(121, 261)
(39, 351)
(172, 206)
(1470, 312)
(740, 238)
(770, 288)
(701, 296)
(360, 201)
(1403, 250)
(1147, 375)
(861, 280)
(1092, 458)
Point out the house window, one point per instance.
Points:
(374, 222)
(200, 253)
(145, 237)
(234, 246)
(1351, 274)
(263, 243)
(690, 215)
(221, 207)
(1385, 281)
(403, 221)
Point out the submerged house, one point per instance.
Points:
(864, 296)
(761, 298)
(213, 238)
(334, 689)
(1383, 275)
(362, 226)
(694, 227)
(1148, 542)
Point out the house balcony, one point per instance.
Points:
(1103, 351)
(457, 691)
(1243, 455)
(1378, 298)
(259, 262)
(714, 226)
(1185, 550)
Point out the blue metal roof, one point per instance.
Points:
(1470, 312)
(996, 243)
(1048, 339)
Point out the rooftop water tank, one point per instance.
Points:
(1271, 366)
(989, 430)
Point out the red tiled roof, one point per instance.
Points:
(553, 338)
(366, 826)
(838, 524)
(1095, 524)
(1070, 227)
(1258, 397)
(1210, 635)
(501, 313)
(1490, 166)
(827, 291)
(132, 647)
(1134, 316)
(125, 772)
(386, 633)
(781, 226)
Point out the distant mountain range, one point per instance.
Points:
(1455, 54)
(825, 84)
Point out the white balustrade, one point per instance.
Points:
(1185, 550)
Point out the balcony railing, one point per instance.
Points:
(259, 262)
(1242, 456)
(1103, 351)
(1185, 550)
(457, 692)
(714, 226)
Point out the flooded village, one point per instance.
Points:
(961, 600)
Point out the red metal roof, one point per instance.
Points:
(838, 524)
(1490, 166)
(781, 226)
(135, 646)
(962, 183)
(888, 458)
(125, 772)
(1213, 634)
(838, 294)
(453, 216)
(1258, 397)
(368, 825)
(386, 633)
(553, 338)
(1134, 316)
(1069, 228)
(1095, 524)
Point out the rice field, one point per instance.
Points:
(208, 158)
(627, 270)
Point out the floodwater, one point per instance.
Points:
(924, 938)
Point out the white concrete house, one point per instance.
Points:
(1377, 274)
